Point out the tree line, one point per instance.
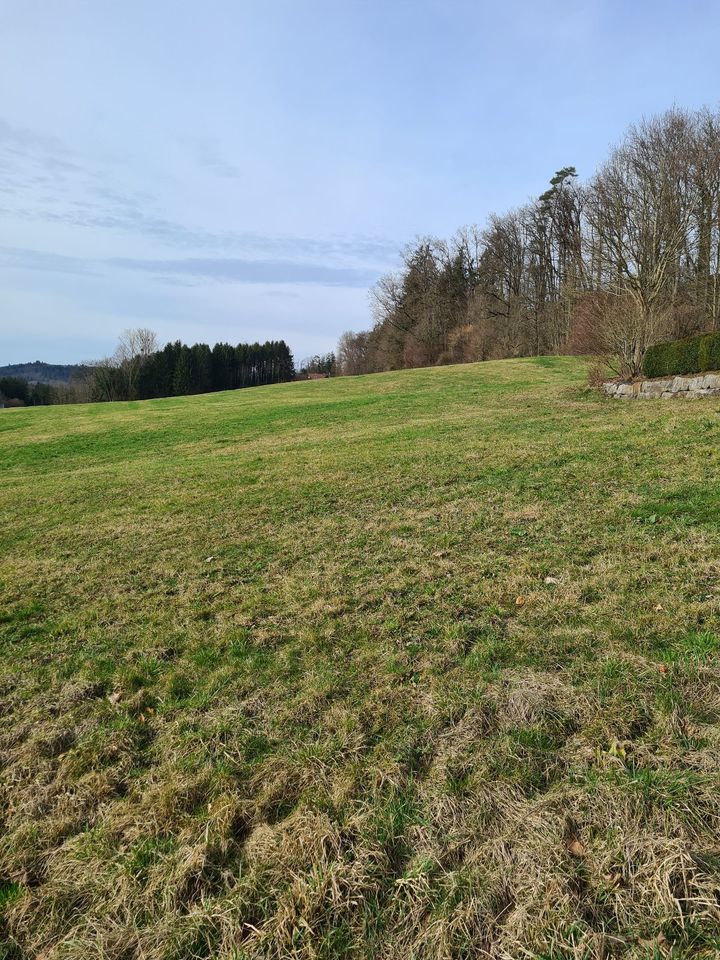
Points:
(138, 370)
(319, 363)
(18, 392)
(608, 266)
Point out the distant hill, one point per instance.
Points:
(39, 372)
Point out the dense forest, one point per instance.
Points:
(607, 267)
(139, 370)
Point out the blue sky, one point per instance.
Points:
(232, 170)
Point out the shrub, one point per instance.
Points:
(658, 360)
(612, 328)
(691, 355)
(709, 352)
(688, 355)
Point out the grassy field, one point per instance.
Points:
(417, 665)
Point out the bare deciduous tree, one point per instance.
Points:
(642, 239)
(608, 326)
(352, 353)
(115, 377)
(639, 206)
(133, 346)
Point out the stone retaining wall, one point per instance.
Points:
(701, 385)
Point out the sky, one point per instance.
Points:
(244, 170)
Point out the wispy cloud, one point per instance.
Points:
(43, 182)
(23, 141)
(90, 233)
(194, 270)
(237, 270)
(19, 258)
(210, 159)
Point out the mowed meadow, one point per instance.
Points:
(413, 665)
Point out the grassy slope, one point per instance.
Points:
(267, 691)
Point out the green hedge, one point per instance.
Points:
(691, 355)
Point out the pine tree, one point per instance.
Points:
(202, 368)
(183, 379)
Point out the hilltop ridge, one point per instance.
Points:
(37, 371)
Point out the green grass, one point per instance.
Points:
(267, 689)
